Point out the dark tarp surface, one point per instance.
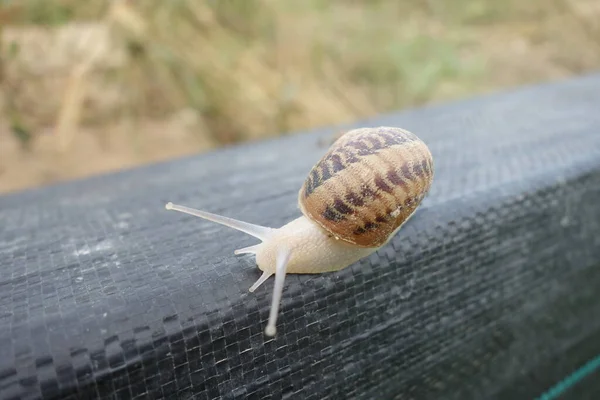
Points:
(490, 291)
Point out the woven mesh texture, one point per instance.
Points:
(489, 291)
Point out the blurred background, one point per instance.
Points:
(90, 86)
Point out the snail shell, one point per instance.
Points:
(368, 184)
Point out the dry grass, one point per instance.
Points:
(87, 87)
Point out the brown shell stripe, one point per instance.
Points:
(345, 154)
(386, 182)
(396, 187)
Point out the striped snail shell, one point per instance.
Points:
(353, 201)
(368, 184)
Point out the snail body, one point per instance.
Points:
(353, 201)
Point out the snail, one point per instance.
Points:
(353, 201)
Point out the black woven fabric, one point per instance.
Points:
(489, 291)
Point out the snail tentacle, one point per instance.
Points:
(259, 232)
(283, 257)
(265, 275)
(247, 250)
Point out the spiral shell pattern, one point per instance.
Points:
(368, 184)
